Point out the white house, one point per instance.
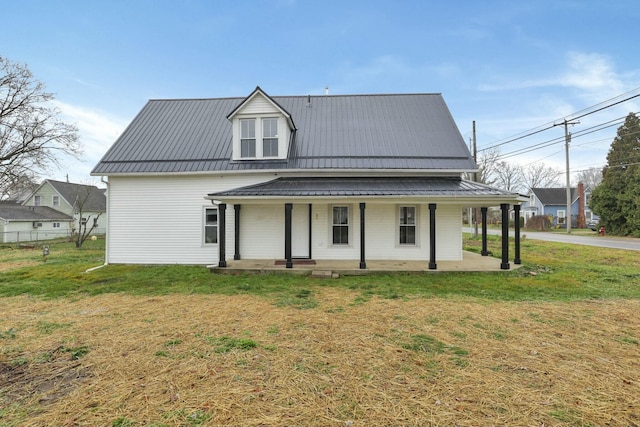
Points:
(53, 210)
(353, 177)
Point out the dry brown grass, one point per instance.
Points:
(154, 361)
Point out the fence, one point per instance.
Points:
(35, 236)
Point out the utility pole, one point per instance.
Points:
(567, 139)
(475, 179)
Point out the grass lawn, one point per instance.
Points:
(556, 342)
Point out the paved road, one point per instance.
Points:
(628, 243)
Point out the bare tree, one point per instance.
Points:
(488, 165)
(508, 176)
(590, 177)
(537, 175)
(31, 133)
(87, 220)
(17, 187)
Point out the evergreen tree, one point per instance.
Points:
(617, 199)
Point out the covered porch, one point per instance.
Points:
(434, 242)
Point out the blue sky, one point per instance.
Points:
(510, 65)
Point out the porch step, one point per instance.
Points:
(322, 273)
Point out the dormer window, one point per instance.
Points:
(262, 129)
(270, 137)
(248, 138)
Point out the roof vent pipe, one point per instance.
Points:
(308, 100)
(326, 90)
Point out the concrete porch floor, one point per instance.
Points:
(470, 262)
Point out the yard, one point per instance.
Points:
(556, 342)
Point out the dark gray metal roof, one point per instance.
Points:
(31, 213)
(554, 196)
(361, 186)
(93, 198)
(405, 131)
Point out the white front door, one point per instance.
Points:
(300, 231)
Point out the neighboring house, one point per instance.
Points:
(552, 202)
(20, 223)
(73, 199)
(353, 177)
(53, 210)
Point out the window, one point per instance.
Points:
(247, 138)
(269, 137)
(56, 200)
(211, 225)
(56, 225)
(340, 225)
(407, 225)
(36, 200)
(561, 217)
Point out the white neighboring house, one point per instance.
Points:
(53, 210)
(347, 177)
(20, 223)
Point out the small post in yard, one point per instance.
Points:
(45, 252)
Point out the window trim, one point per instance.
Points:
(561, 217)
(415, 225)
(205, 210)
(249, 139)
(37, 200)
(348, 225)
(271, 139)
(55, 200)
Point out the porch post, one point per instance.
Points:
(432, 236)
(505, 236)
(484, 252)
(222, 231)
(287, 234)
(363, 264)
(236, 211)
(516, 209)
(310, 229)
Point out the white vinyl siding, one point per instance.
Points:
(159, 220)
(261, 232)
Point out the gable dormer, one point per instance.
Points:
(262, 129)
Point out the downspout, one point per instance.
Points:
(106, 248)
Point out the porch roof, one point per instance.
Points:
(447, 187)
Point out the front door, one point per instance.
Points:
(300, 231)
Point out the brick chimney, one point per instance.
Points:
(582, 222)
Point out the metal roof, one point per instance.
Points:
(397, 131)
(361, 186)
(10, 212)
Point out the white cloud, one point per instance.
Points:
(97, 132)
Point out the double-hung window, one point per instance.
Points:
(248, 138)
(407, 225)
(56, 200)
(561, 216)
(340, 225)
(269, 137)
(37, 200)
(211, 225)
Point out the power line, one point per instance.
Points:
(574, 116)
